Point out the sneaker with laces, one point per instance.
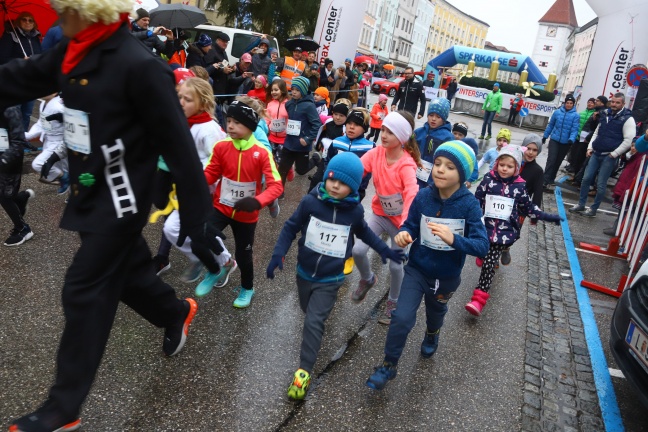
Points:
(382, 374)
(46, 418)
(480, 137)
(175, 336)
(488, 137)
(207, 283)
(22, 200)
(300, 384)
(590, 213)
(244, 297)
(161, 264)
(192, 272)
(228, 268)
(64, 184)
(363, 288)
(390, 306)
(576, 209)
(274, 209)
(19, 236)
(506, 257)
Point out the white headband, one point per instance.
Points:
(399, 126)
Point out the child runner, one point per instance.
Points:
(240, 162)
(301, 129)
(431, 135)
(197, 102)
(333, 128)
(502, 196)
(378, 113)
(443, 226)
(460, 132)
(49, 129)
(335, 206)
(393, 165)
(503, 138)
(277, 116)
(259, 91)
(322, 102)
(14, 203)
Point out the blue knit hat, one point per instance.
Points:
(203, 41)
(302, 84)
(496, 84)
(440, 106)
(461, 155)
(347, 168)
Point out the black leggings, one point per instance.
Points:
(373, 131)
(488, 266)
(288, 158)
(15, 208)
(243, 243)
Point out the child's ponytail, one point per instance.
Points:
(411, 146)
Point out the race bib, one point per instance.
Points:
(381, 116)
(434, 242)
(4, 140)
(47, 126)
(293, 128)
(232, 191)
(498, 207)
(77, 130)
(278, 125)
(423, 172)
(327, 238)
(392, 205)
(431, 92)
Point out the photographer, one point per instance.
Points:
(140, 29)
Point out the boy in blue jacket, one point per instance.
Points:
(328, 218)
(562, 132)
(443, 226)
(431, 135)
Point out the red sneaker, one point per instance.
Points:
(291, 174)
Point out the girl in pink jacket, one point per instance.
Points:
(393, 166)
(277, 116)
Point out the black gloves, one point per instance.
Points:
(55, 117)
(544, 140)
(247, 204)
(47, 166)
(275, 262)
(203, 243)
(396, 255)
(570, 142)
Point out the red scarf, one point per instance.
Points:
(203, 117)
(85, 40)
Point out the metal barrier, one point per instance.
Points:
(630, 236)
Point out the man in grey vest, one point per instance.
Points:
(612, 138)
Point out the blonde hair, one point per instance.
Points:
(105, 11)
(204, 92)
(255, 104)
(345, 101)
(200, 72)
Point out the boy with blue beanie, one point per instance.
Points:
(431, 135)
(328, 218)
(443, 226)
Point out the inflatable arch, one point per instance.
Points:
(509, 62)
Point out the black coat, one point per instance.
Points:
(533, 175)
(10, 48)
(408, 96)
(152, 42)
(134, 117)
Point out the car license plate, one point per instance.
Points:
(638, 341)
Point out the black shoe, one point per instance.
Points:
(506, 257)
(175, 336)
(19, 236)
(45, 419)
(161, 264)
(22, 200)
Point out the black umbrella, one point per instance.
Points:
(303, 42)
(177, 15)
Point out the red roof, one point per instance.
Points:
(562, 12)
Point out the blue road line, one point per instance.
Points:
(602, 380)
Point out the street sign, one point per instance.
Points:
(524, 112)
(636, 74)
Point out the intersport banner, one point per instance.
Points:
(620, 43)
(535, 107)
(338, 29)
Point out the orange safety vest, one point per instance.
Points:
(292, 69)
(179, 57)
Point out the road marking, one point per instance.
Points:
(616, 373)
(599, 210)
(607, 397)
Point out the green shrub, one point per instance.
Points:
(506, 88)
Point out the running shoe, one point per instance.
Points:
(244, 297)
(300, 384)
(192, 273)
(161, 264)
(176, 335)
(363, 288)
(382, 374)
(19, 236)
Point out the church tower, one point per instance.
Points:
(551, 40)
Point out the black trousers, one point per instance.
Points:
(578, 155)
(243, 244)
(288, 158)
(512, 116)
(374, 132)
(106, 269)
(557, 153)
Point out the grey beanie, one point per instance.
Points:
(533, 138)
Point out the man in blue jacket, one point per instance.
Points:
(563, 132)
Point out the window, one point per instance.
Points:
(547, 48)
(543, 64)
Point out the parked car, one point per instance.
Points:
(239, 39)
(390, 86)
(629, 334)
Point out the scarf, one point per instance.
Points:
(87, 39)
(203, 117)
(349, 200)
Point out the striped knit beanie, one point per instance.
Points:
(301, 83)
(461, 155)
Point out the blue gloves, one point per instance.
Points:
(396, 255)
(275, 261)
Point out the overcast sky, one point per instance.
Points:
(514, 23)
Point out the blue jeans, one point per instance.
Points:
(415, 287)
(488, 119)
(604, 166)
(26, 110)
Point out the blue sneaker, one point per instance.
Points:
(207, 284)
(382, 374)
(64, 184)
(244, 297)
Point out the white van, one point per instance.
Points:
(239, 39)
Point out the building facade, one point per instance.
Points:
(403, 31)
(384, 12)
(578, 56)
(422, 24)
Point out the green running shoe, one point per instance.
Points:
(299, 386)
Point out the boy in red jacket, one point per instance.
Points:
(239, 163)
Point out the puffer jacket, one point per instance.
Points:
(563, 126)
(152, 41)
(303, 110)
(429, 140)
